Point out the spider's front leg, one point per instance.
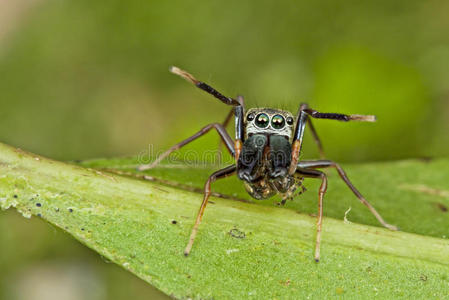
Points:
(303, 118)
(238, 112)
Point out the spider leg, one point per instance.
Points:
(221, 131)
(339, 117)
(316, 138)
(224, 124)
(204, 86)
(228, 118)
(304, 115)
(317, 174)
(228, 171)
(313, 164)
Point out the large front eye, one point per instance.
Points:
(262, 120)
(278, 122)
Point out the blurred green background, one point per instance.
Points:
(83, 79)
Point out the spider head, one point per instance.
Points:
(269, 121)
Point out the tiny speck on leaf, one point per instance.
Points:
(286, 283)
(70, 210)
(15, 196)
(38, 204)
(82, 229)
(237, 233)
(39, 215)
(174, 222)
(423, 277)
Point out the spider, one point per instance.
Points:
(266, 150)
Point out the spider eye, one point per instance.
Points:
(289, 120)
(278, 122)
(262, 120)
(250, 117)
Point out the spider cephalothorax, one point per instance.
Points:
(266, 150)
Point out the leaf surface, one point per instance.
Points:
(246, 250)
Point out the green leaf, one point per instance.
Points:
(130, 221)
